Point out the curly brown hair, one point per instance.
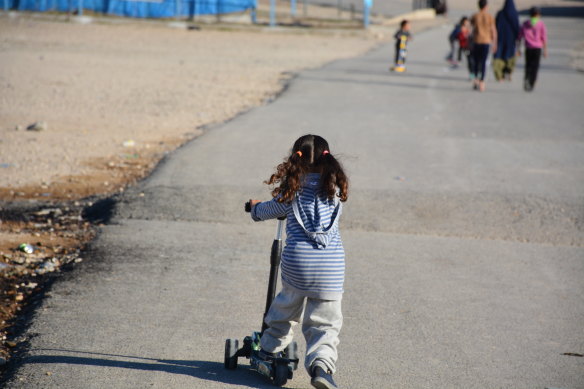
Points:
(310, 154)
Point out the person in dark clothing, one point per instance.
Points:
(507, 21)
(452, 39)
(402, 36)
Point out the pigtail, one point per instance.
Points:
(289, 175)
(333, 177)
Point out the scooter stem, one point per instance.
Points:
(275, 257)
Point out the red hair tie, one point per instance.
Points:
(325, 152)
(299, 153)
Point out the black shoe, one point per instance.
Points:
(527, 86)
(322, 379)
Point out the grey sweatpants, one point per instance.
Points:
(321, 325)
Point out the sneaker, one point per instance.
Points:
(527, 86)
(322, 379)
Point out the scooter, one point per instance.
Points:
(277, 367)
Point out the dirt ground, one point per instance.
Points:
(113, 98)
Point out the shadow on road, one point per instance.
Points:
(569, 12)
(396, 77)
(396, 80)
(204, 370)
(439, 77)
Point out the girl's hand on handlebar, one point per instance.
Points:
(250, 204)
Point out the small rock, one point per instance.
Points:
(38, 126)
(3, 361)
(19, 260)
(18, 127)
(46, 267)
(11, 343)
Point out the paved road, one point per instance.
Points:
(389, 8)
(464, 238)
(456, 8)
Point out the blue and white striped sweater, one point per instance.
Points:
(314, 269)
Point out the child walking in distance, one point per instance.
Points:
(534, 32)
(465, 43)
(452, 38)
(310, 187)
(402, 36)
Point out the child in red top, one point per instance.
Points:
(465, 42)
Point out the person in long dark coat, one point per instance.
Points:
(507, 21)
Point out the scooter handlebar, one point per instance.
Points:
(247, 208)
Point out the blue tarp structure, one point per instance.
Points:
(134, 8)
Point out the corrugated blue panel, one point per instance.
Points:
(7, 4)
(59, 5)
(134, 8)
(141, 9)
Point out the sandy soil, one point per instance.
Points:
(114, 98)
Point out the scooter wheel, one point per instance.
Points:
(231, 347)
(280, 374)
(291, 352)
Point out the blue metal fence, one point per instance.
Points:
(134, 8)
